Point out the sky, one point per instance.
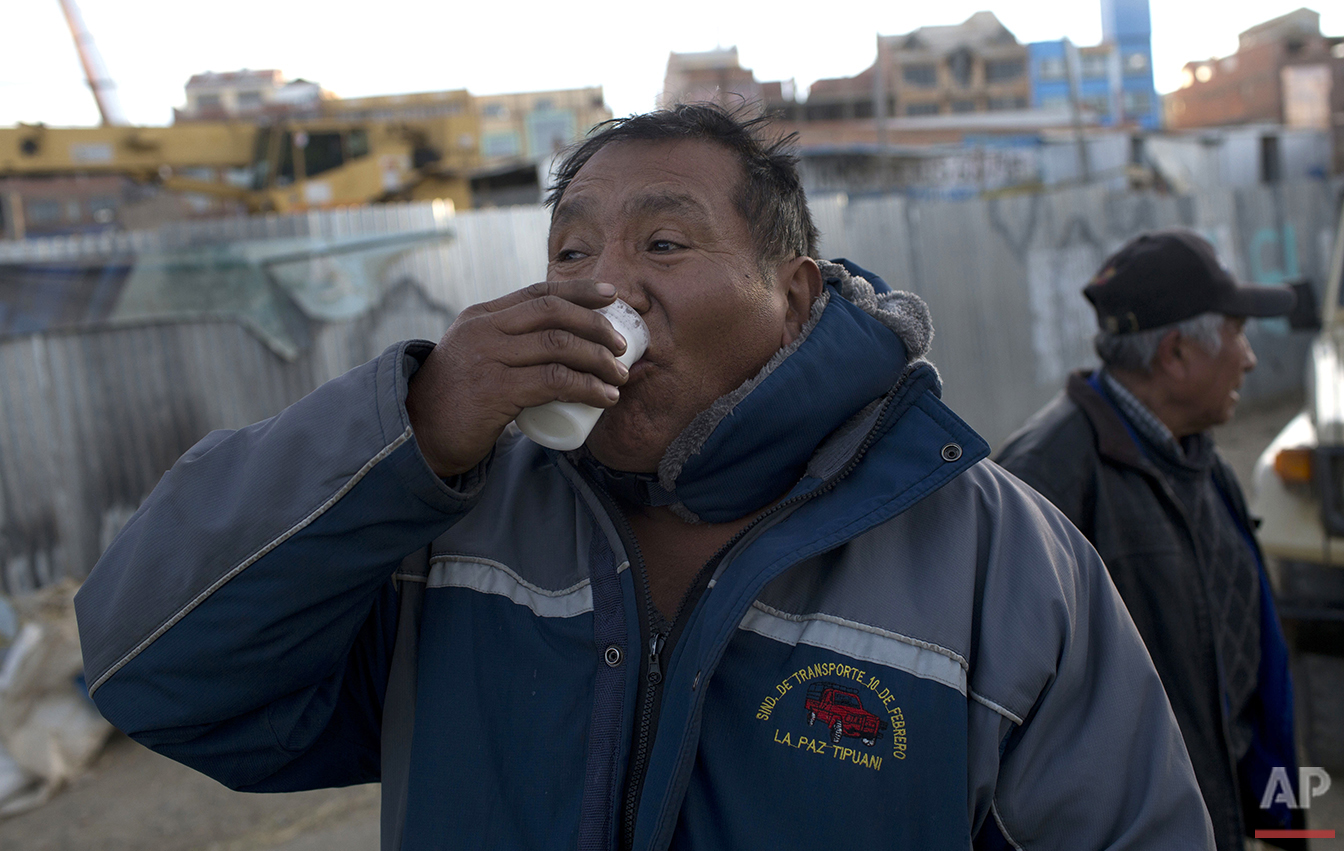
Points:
(151, 47)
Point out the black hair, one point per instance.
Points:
(770, 199)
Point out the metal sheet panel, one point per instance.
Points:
(90, 418)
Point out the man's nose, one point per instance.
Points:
(613, 267)
(1249, 359)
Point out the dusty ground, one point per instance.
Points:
(134, 800)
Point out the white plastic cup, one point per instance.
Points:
(565, 425)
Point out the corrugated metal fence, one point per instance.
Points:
(1003, 277)
(90, 418)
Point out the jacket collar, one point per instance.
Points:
(854, 356)
(1113, 439)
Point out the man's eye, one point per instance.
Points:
(664, 245)
(568, 254)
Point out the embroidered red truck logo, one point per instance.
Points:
(841, 710)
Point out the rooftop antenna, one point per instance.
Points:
(94, 70)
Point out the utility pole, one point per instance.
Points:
(880, 111)
(94, 71)
(1072, 65)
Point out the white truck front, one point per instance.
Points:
(1298, 495)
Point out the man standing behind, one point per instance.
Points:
(1125, 453)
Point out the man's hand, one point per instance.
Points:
(541, 343)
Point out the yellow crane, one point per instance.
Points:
(292, 164)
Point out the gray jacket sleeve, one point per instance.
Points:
(273, 543)
(1079, 748)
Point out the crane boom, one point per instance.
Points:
(94, 70)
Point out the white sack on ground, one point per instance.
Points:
(49, 731)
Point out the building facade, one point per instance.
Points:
(52, 206)
(974, 66)
(923, 87)
(715, 76)
(1285, 72)
(1113, 80)
(248, 95)
(1127, 27)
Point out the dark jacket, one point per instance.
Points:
(1081, 454)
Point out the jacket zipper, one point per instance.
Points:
(653, 674)
(658, 640)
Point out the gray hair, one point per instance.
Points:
(1136, 351)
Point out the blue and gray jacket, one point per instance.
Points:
(911, 651)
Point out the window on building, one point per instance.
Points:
(1097, 104)
(42, 211)
(543, 105)
(249, 100)
(961, 65)
(1052, 68)
(924, 74)
(549, 132)
(208, 102)
(1002, 70)
(1093, 66)
(1008, 103)
(1137, 103)
(921, 109)
(495, 110)
(1136, 62)
(863, 108)
(74, 211)
(824, 112)
(504, 144)
(963, 106)
(1056, 103)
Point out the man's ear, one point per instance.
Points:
(1170, 357)
(801, 279)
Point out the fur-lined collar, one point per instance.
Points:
(753, 444)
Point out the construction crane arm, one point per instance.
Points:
(94, 69)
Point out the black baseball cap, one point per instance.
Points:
(1167, 276)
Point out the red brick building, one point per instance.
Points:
(1284, 72)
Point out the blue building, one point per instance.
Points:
(1114, 78)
